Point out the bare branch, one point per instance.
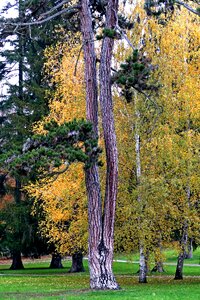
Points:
(125, 37)
(188, 7)
(54, 8)
(73, 9)
(76, 65)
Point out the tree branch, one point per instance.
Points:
(54, 8)
(125, 37)
(188, 7)
(73, 9)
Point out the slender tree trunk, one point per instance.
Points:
(143, 267)
(2, 185)
(21, 55)
(77, 263)
(184, 238)
(17, 192)
(56, 261)
(16, 261)
(181, 257)
(101, 227)
(189, 253)
(143, 262)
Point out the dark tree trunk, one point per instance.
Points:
(77, 263)
(101, 227)
(16, 261)
(179, 267)
(2, 186)
(56, 261)
(17, 194)
(181, 257)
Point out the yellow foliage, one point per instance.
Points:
(63, 201)
(169, 155)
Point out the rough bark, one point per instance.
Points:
(77, 263)
(91, 174)
(106, 246)
(16, 261)
(100, 226)
(56, 261)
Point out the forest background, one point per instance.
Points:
(155, 88)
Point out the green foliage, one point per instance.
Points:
(107, 32)
(19, 230)
(60, 146)
(134, 74)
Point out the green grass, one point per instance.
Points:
(170, 256)
(37, 281)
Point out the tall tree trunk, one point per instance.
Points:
(106, 247)
(77, 263)
(100, 226)
(21, 55)
(143, 261)
(16, 261)
(56, 261)
(92, 174)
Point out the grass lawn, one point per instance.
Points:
(169, 254)
(37, 281)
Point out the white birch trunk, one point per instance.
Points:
(143, 263)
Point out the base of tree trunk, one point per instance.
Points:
(142, 279)
(77, 263)
(177, 277)
(56, 261)
(16, 261)
(158, 268)
(104, 282)
(179, 267)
